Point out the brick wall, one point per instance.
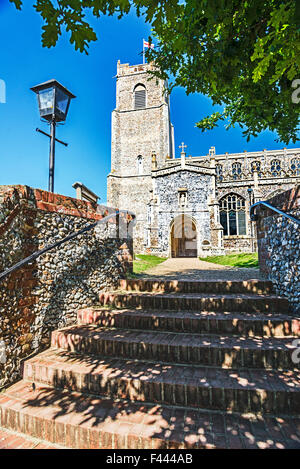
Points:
(278, 245)
(45, 295)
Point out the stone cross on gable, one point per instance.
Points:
(182, 146)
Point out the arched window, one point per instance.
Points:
(295, 166)
(275, 168)
(219, 172)
(140, 164)
(233, 215)
(139, 97)
(256, 166)
(236, 170)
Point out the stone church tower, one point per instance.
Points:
(142, 138)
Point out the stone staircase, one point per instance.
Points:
(166, 364)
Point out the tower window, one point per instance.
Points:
(233, 215)
(139, 97)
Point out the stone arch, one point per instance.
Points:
(236, 191)
(273, 194)
(183, 236)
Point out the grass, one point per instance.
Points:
(145, 261)
(234, 260)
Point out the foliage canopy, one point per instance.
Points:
(243, 54)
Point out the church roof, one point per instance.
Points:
(177, 167)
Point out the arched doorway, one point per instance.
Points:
(183, 237)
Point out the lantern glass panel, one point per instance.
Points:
(62, 102)
(46, 101)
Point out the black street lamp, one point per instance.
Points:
(54, 101)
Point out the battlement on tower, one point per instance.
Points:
(127, 69)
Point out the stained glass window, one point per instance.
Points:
(237, 170)
(275, 168)
(256, 166)
(295, 166)
(233, 215)
(219, 172)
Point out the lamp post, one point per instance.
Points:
(54, 101)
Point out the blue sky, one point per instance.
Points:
(24, 62)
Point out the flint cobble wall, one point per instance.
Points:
(198, 191)
(46, 294)
(279, 245)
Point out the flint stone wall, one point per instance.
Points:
(45, 295)
(199, 189)
(279, 245)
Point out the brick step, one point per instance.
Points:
(82, 421)
(15, 440)
(207, 350)
(195, 302)
(243, 324)
(188, 286)
(182, 385)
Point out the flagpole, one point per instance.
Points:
(143, 52)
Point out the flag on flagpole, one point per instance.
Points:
(146, 44)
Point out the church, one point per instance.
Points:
(188, 206)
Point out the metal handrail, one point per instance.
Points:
(39, 253)
(254, 217)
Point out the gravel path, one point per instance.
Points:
(194, 269)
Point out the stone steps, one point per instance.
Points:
(242, 324)
(78, 420)
(187, 286)
(166, 365)
(201, 349)
(171, 384)
(14, 440)
(195, 301)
